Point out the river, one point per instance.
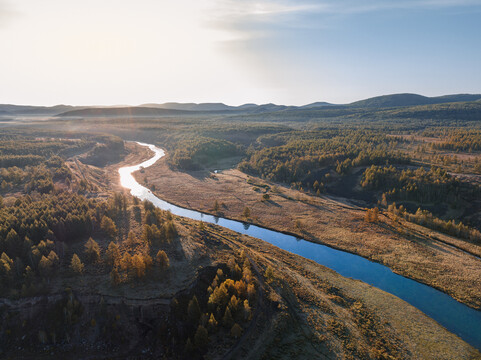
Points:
(453, 315)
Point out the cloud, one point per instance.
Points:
(264, 8)
(267, 10)
(254, 19)
(248, 19)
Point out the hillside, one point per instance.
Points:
(446, 112)
(384, 101)
(191, 106)
(362, 108)
(36, 110)
(397, 100)
(469, 111)
(316, 104)
(121, 112)
(218, 107)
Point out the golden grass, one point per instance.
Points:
(409, 250)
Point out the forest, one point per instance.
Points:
(434, 185)
(52, 230)
(296, 157)
(63, 233)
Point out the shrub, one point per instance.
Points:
(236, 331)
(269, 274)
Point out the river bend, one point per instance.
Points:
(458, 318)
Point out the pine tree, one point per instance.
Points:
(201, 338)
(269, 274)
(113, 253)
(138, 265)
(162, 259)
(236, 331)
(193, 309)
(212, 324)
(76, 264)
(247, 310)
(53, 257)
(92, 250)
(45, 267)
(12, 241)
(189, 347)
(251, 291)
(228, 320)
(131, 239)
(114, 276)
(108, 227)
(6, 271)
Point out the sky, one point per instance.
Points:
(94, 52)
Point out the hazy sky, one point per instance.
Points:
(235, 51)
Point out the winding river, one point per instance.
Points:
(453, 315)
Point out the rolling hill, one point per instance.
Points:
(398, 100)
(191, 106)
(122, 112)
(467, 111)
(36, 110)
(402, 105)
(215, 107)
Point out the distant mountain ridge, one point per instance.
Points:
(317, 104)
(8, 109)
(212, 106)
(131, 111)
(398, 100)
(191, 106)
(172, 108)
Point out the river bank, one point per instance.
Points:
(407, 249)
(455, 316)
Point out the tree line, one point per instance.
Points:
(425, 186)
(305, 152)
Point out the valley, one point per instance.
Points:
(101, 273)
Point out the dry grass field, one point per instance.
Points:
(441, 261)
